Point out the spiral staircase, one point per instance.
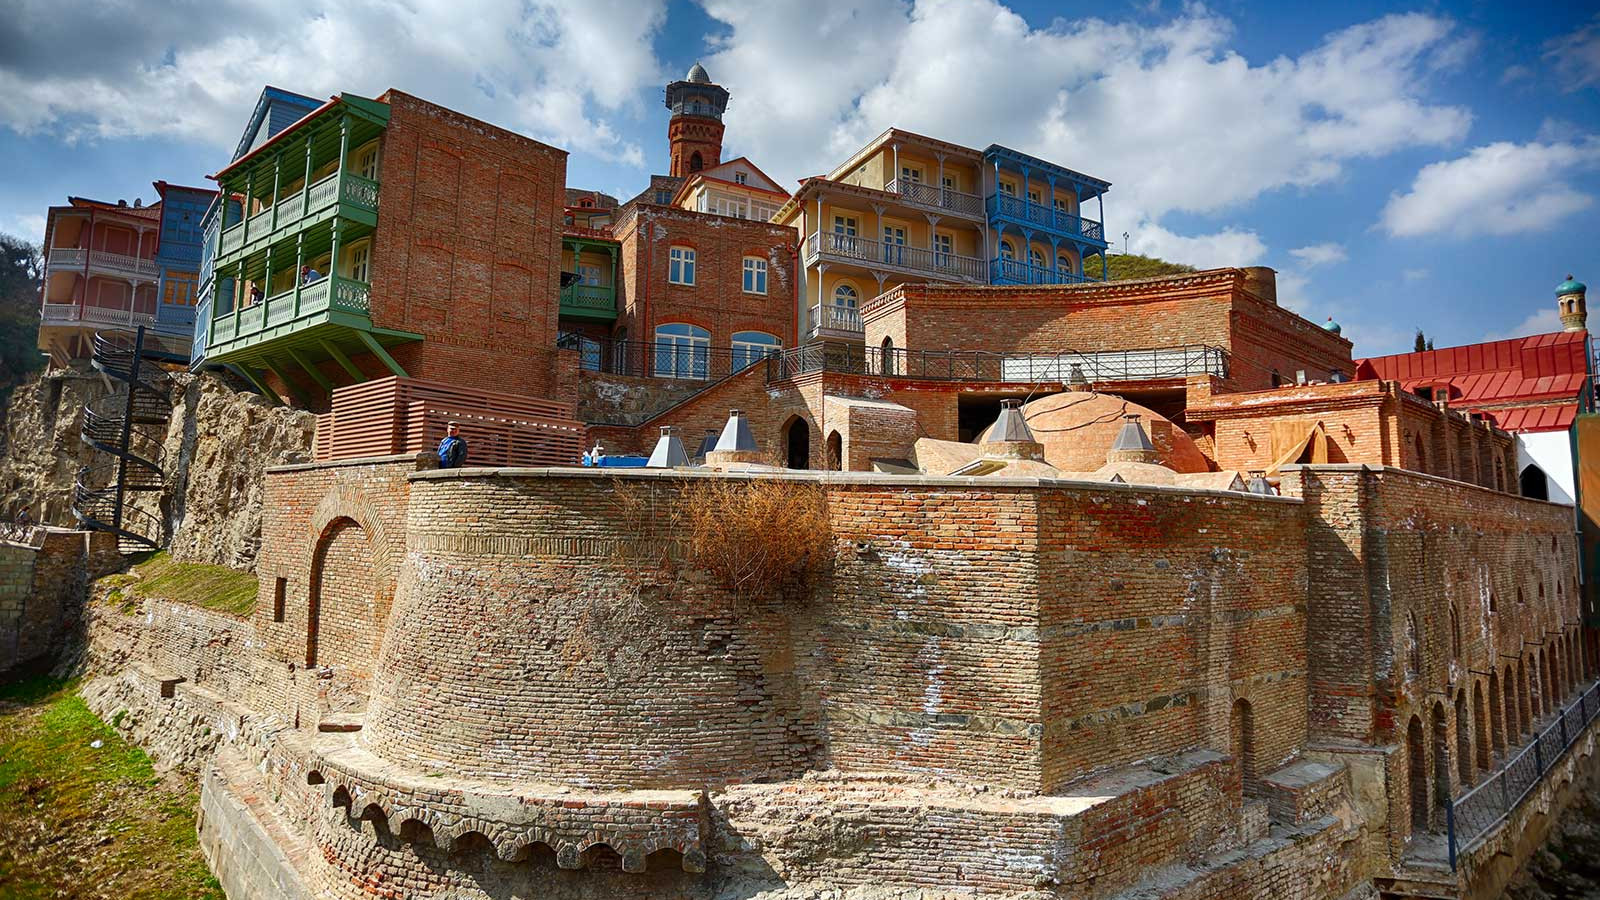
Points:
(127, 427)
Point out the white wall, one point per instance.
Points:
(1552, 452)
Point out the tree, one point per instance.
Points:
(1421, 343)
(21, 271)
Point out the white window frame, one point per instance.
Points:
(741, 178)
(680, 265)
(747, 351)
(1007, 188)
(754, 280)
(1064, 264)
(682, 350)
(364, 161)
(852, 301)
(588, 274)
(360, 261)
(912, 174)
(1035, 258)
(848, 226)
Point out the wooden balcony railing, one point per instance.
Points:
(331, 293)
(77, 257)
(1011, 271)
(882, 253)
(936, 197)
(342, 187)
(1060, 221)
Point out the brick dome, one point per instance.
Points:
(1077, 429)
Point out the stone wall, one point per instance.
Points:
(43, 452)
(42, 586)
(606, 399)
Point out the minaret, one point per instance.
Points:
(1569, 300)
(695, 130)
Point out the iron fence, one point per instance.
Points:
(1021, 368)
(1470, 817)
(686, 360)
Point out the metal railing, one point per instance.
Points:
(1470, 817)
(1058, 220)
(1068, 366)
(936, 197)
(646, 359)
(882, 253)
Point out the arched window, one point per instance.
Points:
(1422, 455)
(1417, 775)
(1035, 258)
(846, 296)
(682, 351)
(749, 346)
(1534, 483)
(1006, 251)
(886, 358)
(1064, 264)
(695, 163)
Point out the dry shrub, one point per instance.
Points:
(754, 536)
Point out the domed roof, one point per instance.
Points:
(1333, 326)
(1570, 287)
(697, 74)
(1077, 429)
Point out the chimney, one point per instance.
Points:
(668, 453)
(1263, 282)
(1011, 438)
(736, 445)
(1132, 444)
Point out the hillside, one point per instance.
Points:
(1124, 267)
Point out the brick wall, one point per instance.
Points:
(468, 250)
(716, 301)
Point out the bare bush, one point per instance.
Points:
(755, 536)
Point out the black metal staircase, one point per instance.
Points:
(129, 426)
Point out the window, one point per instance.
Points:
(1006, 252)
(755, 276)
(1060, 205)
(1007, 188)
(588, 274)
(845, 225)
(366, 161)
(361, 262)
(749, 346)
(943, 249)
(663, 197)
(950, 183)
(1064, 264)
(1035, 258)
(682, 351)
(680, 268)
(280, 587)
(845, 296)
(1035, 197)
(740, 178)
(911, 174)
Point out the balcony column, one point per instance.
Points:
(933, 240)
(611, 251)
(333, 258)
(244, 212)
(277, 167)
(940, 176)
(305, 186)
(819, 221)
(344, 150)
(1055, 254)
(238, 307)
(883, 239)
(1027, 252)
(266, 286)
(299, 264)
(900, 188)
(1050, 203)
(1027, 199)
(822, 269)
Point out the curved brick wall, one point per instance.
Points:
(516, 650)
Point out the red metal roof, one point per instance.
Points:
(1535, 418)
(1541, 367)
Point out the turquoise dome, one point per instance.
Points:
(1333, 326)
(1569, 287)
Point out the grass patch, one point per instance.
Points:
(197, 584)
(86, 821)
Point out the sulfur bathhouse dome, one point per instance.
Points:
(1077, 429)
(698, 75)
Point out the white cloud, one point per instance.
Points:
(1542, 321)
(1498, 189)
(28, 226)
(1576, 56)
(1169, 113)
(1320, 254)
(1229, 247)
(555, 70)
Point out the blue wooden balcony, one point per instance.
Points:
(1020, 212)
(1011, 271)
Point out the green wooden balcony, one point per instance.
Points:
(593, 302)
(339, 194)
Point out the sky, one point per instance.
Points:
(1430, 165)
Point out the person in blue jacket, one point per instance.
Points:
(453, 449)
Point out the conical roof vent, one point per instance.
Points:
(736, 445)
(736, 434)
(668, 453)
(707, 444)
(1132, 443)
(1011, 426)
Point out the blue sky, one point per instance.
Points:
(1432, 165)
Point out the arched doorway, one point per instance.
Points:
(797, 443)
(1463, 740)
(886, 360)
(344, 619)
(1498, 725)
(1534, 483)
(1417, 775)
(1241, 743)
(835, 452)
(1480, 732)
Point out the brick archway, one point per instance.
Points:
(352, 582)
